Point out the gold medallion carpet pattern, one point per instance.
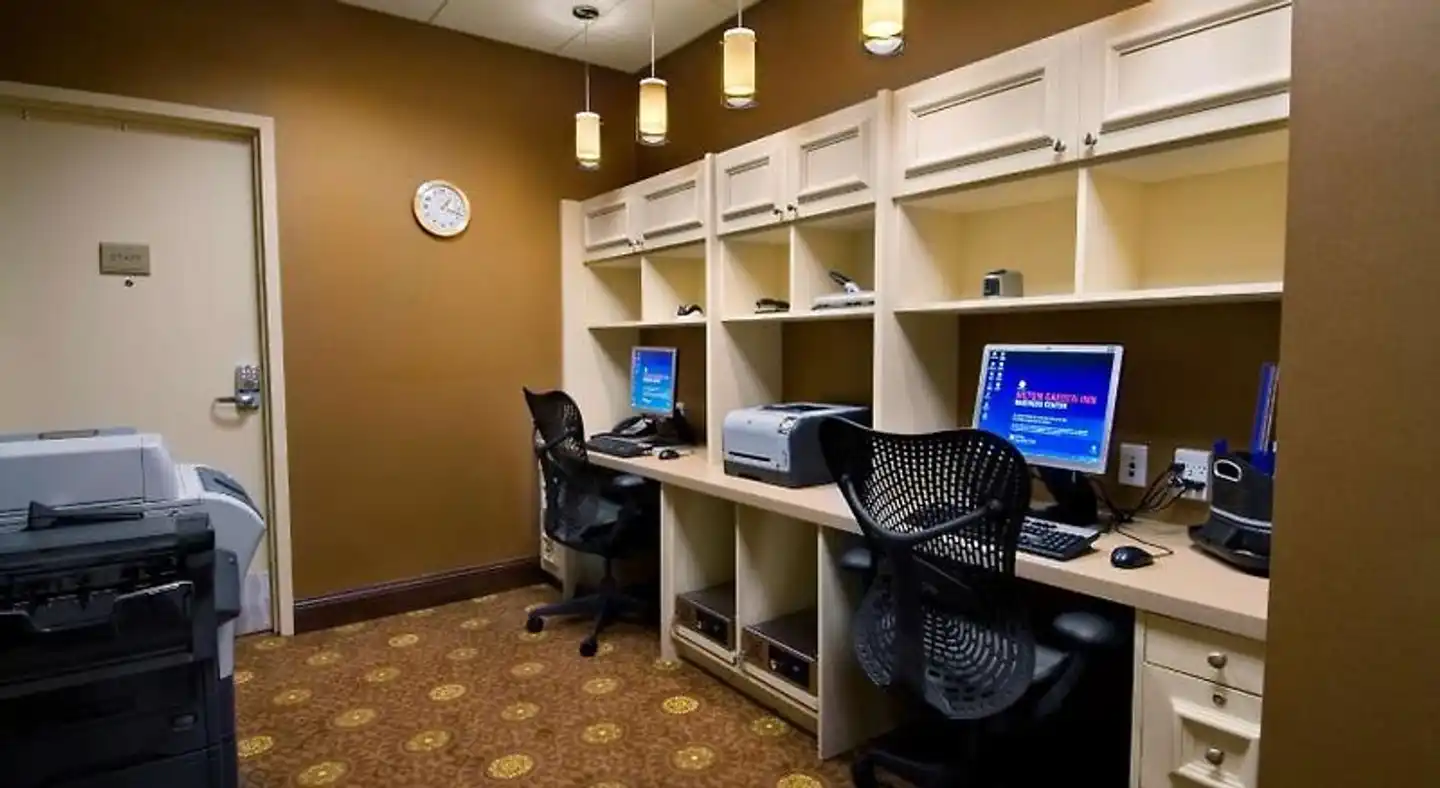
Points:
(462, 696)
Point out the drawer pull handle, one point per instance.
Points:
(1217, 660)
(1218, 700)
(1214, 756)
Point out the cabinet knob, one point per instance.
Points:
(778, 211)
(1060, 146)
(1215, 756)
(1091, 140)
(1218, 700)
(795, 209)
(1217, 660)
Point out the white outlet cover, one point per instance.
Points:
(1197, 468)
(1139, 455)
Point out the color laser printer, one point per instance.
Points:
(779, 444)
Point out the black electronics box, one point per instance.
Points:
(786, 648)
(710, 613)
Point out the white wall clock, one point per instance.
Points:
(442, 209)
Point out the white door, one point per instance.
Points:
(80, 349)
(832, 161)
(670, 209)
(750, 185)
(606, 224)
(1007, 114)
(1175, 69)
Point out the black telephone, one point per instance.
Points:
(634, 427)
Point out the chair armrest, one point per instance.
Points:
(1086, 630)
(858, 559)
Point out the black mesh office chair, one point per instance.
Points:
(590, 509)
(942, 623)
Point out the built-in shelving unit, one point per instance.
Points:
(1108, 164)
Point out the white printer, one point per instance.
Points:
(780, 444)
(95, 471)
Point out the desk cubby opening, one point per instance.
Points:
(852, 708)
(844, 244)
(948, 242)
(754, 266)
(697, 534)
(671, 278)
(777, 592)
(612, 292)
(1208, 219)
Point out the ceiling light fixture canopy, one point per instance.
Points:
(739, 70)
(653, 121)
(882, 26)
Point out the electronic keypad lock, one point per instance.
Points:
(247, 388)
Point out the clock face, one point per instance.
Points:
(442, 209)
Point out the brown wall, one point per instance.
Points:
(1352, 688)
(405, 355)
(811, 62)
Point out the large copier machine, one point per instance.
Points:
(120, 577)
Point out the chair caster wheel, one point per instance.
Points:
(588, 647)
(534, 624)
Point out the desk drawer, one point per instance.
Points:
(1204, 653)
(1193, 733)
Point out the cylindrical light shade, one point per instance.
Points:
(882, 25)
(587, 140)
(653, 123)
(739, 68)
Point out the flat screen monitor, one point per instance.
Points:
(1055, 403)
(652, 380)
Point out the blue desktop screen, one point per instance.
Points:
(652, 380)
(1052, 403)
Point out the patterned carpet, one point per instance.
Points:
(463, 696)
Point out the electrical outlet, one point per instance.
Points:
(1196, 468)
(1134, 459)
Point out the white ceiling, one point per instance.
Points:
(620, 38)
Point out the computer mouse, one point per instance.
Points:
(669, 454)
(1130, 557)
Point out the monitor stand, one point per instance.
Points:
(672, 430)
(1075, 502)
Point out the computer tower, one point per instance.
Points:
(709, 613)
(786, 648)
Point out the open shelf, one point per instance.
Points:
(793, 264)
(1207, 220)
(698, 533)
(645, 291)
(1160, 296)
(948, 242)
(776, 575)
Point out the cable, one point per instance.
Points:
(1127, 534)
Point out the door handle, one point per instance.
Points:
(247, 389)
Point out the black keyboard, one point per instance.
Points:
(1055, 540)
(616, 447)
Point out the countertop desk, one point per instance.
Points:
(1188, 586)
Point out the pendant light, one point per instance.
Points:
(739, 62)
(882, 26)
(653, 123)
(587, 123)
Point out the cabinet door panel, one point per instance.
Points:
(606, 225)
(832, 161)
(997, 117)
(750, 185)
(1173, 69)
(670, 208)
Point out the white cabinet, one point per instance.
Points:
(667, 210)
(817, 168)
(1013, 112)
(1175, 69)
(606, 225)
(1194, 733)
(832, 162)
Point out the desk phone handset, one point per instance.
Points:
(635, 427)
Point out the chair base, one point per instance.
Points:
(926, 754)
(606, 606)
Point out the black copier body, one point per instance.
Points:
(108, 665)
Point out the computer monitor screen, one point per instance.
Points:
(1056, 403)
(652, 380)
